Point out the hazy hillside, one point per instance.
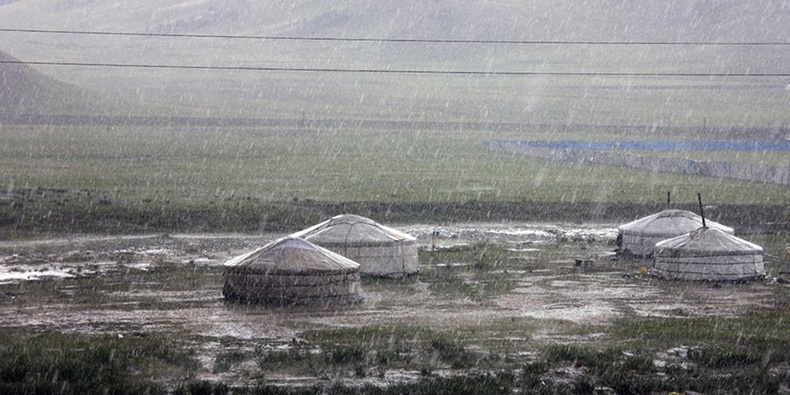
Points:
(708, 20)
(547, 98)
(26, 91)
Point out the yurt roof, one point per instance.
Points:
(292, 255)
(706, 241)
(670, 223)
(352, 229)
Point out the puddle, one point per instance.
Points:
(15, 272)
(515, 233)
(550, 295)
(8, 277)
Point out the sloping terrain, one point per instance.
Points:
(443, 19)
(262, 92)
(26, 92)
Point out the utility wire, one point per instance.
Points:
(398, 40)
(395, 71)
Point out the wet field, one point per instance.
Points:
(504, 288)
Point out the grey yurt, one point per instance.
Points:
(638, 237)
(707, 254)
(380, 250)
(291, 271)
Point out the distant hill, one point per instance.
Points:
(28, 92)
(269, 83)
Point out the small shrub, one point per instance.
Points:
(226, 359)
(346, 355)
(274, 360)
(454, 354)
(639, 364)
(533, 372)
(582, 356)
(724, 358)
(202, 387)
(75, 368)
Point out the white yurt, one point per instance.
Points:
(638, 237)
(380, 250)
(291, 271)
(707, 254)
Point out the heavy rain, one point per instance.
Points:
(355, 197)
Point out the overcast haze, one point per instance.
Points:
(253, 93)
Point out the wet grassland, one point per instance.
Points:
(132, 179)
(479, 318)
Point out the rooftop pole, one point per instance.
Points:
(701, 213)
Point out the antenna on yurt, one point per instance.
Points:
(701, 213)
(668, 198)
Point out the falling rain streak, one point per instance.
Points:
(444, 197)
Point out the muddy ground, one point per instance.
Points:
(89, 284)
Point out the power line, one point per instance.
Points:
(398, 40)
(395, 71)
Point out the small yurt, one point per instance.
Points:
(639, 237)
(380, 250)
(291, 271)
(707, 254)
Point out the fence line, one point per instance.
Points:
(720, 169)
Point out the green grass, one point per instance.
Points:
(133, 179)
(771, 158)
(372, 350)
(90, 364)
(127, 166)
(623, 362)
(758, 330)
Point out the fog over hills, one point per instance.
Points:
(546, 98)
(26, 91)
(616, 20)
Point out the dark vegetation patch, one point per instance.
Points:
(371, 351)
(226, 359)
(476, 384)
(28, 212)
(625, 363)
(390, 347)
(759, 339)
(89, 364)
(112, 368)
